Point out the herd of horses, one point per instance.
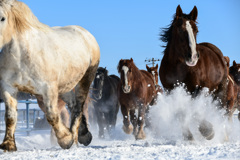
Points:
(37, 59)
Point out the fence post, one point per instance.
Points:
(27, 114)
(34, 116)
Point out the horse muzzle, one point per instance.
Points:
(126, 89)
(193, 59)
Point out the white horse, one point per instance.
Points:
(46, 62)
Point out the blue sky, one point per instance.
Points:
(131, 28)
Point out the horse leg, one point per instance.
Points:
(205, 127)
(8, 143)
(69, 98)
(127, 127)
(230, 110)
(133, 118)
(100, 121)
(79, 125)
(108, 118)
(63, 134)
(148, 119)
(85, 109)
(113, 119)
(187, 135)
(65, 119)
(141, 119)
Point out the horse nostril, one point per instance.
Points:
(189, 56)
(198, 55)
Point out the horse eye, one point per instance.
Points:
(2, 19)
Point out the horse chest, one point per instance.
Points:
(171, 74)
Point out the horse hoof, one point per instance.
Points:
(140, 136)
(206, 129)
(66, 142)
(128, 129)
(85, 139)
(8, 146)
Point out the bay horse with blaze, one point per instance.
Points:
(195, 65)
(136, 91)
(46, 62)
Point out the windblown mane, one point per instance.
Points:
(166, 33)
(20, 17)
(102, 70)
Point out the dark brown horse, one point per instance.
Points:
(195, 65)
(233, 89)
(136, 91)
(234, 70)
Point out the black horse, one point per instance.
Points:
(105, 102)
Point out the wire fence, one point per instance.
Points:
(26, 119)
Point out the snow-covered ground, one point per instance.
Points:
(165, 142)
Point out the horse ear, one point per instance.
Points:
(194, 13)
(131, 60)
(157, 66)
(179, 12)
(147, 67)
(105, 70)
(234, 63)
(119, 64)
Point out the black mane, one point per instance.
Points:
(166, 33)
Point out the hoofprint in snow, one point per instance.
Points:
(164, 142)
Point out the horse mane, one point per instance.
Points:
(166, 33)
(102, 70)
(20, 17)
(114, 76)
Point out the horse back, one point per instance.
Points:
(147, 76)
(150, 83)
(115, 80)
(215, 56)
(215, 49)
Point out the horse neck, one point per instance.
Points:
(137, 76)
(106, 86)
(232, 75)
(172, 52)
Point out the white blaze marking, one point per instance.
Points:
(239, 70)
(98, 77)
(125, 70)
(153, 73)
(192, 42)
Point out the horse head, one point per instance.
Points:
(182, 35)
(125, 69)
(154, 72)
(15, 18)
(99, 82)
(234, 70)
